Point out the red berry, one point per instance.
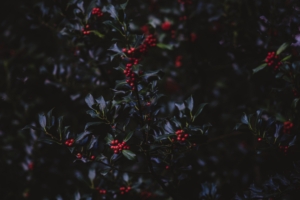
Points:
(92, 157)
(259, 139)
(167, 167)
(79, 156)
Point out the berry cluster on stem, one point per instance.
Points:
(86, 30)
(134, 55)
(181, 135)
(69, 142)
(97, 12)
(118, 146)
(124, 190)
(287, 126)
(102, 191)
(284, 148)
(79, 155)
(272, 60)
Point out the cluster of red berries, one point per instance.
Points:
(166, 26)
(150, 41)
(284, 148)
(273, 60)
(97, 11)
(173, 34)
(287, 126)
(185, 1)
(118, 146)
(85, 30)
(102, 191)
(124, 189)
(146, 195)
(69, 142)
(30, 166)
(178, 61)
(181, 136)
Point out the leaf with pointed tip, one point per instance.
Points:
(129, 154)
(168, 127)
(176, 122)
(125, 177)
(92, 174)
(108, 138)
(295, 102)
(293, 141)
(92, 113)
(282, 48)
(101, 157)
(245, 119)
(91, 124)
(109, 23)
(123, 5)
(120, 83)
(286, 58)
(162, 137)
(42, 120)
(199, 109)
(89, 99)
(32, 127)
(115, 48)
(111, 10)
(93, 141)
(128, 136)
(164, 46)
(190, 103)
(260, 67)
(49, 120)
(97, 33)
(158, 74)
(81, 136)
(102, 104)
(180, 106)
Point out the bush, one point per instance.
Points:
(150, 100)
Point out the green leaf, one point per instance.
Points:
(157, 73)
(111, 10)
(108, 138)
(176, 122)
(168, 127)
(102, 104)
(109, 23)
(123, 5)
(97, 33)
(91, 124)
(32, 127)
(237, 126)
(180, 106)
(282, 48)
(42, 120)
(120, 83)
(93, 141)
(161, 137)
(89, 99)
(129, 154)
(164, 46)
(81, 136)
(279, 75)
(245, 119)
(115, 48)
(190, 103)
(199, 109)
(92, 113)
(128, 136)
(286, 58)
(49, 120)
(92, 174)
(101, 157)
(260, 67)
(195, 128)
(125, 177)
(295, 102)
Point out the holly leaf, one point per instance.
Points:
(89, 99)
(129, 154)
(199, 109)
(101, 102)
(282, 48)
(92, 124)
(111, 10)
(128, 136)
(42, 120)
(189, 103)
(260, 67)
(81, 136)
(108, 138)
